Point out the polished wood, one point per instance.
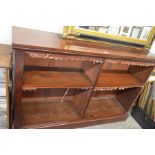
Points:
(56, 115)
(56, 79)
(113, 79)
(19, 66)
(104, 106)
(127, 98)
(65, 83)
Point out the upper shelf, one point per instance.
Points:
(55, 79)
(113, 80)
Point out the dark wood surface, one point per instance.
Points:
(18, 81)
(60, 94)
(55, 114)
(55, 79)
(116, 80)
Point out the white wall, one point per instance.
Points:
(6, 33)
(153, 48)
(33, 14)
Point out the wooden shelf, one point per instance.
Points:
(104, 107)
(119, 80)
(35, 113)
(55, 79)
(55, 115)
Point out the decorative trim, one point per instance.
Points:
(64, 58)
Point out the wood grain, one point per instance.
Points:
(55, 114)
(117, 80)
(55, 79)
(19, 66)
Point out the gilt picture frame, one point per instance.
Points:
(141, 36)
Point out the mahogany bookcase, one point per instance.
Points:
(67, 83)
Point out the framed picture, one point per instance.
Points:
(136, 36)
(92, 28)
(125, 31)
(114, 30)
(145, 32)
(103, 29)
(136, 31)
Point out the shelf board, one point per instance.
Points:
(53, 111)
(55, 115)
(55, 79)
(104, 107)
(117, 80)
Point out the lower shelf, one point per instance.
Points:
(104, 107)
(56, 115)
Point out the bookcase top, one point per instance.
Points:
(29, 39)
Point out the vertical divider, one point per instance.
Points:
(96, 74)
(18, 80)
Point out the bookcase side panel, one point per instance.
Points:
(18, 80)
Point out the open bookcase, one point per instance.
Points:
(58, 88)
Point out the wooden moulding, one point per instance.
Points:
(64, 57)
(129, 62)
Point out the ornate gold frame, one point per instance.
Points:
(73, 32)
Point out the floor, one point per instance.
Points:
(130, 123)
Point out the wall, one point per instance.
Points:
(153, 48)
(5, 29)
